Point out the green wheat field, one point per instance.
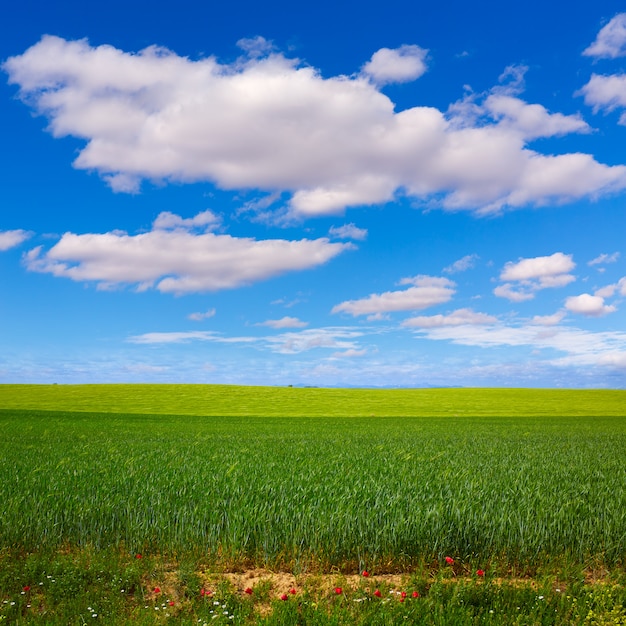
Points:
(113, 491)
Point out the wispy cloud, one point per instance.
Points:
(579, 346)
(13, 238)
(284, 322)
(462, 265)
(603, 259)
(460, 317)
(199, 317)
(348, 231)
(611, 40)
(332, 338)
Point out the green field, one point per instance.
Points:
(514, 482)
(259, 402)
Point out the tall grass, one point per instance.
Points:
(319, 492)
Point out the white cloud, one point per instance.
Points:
(606, 93)
(606, 292)
(397, 65)
(426, 291)
(513, 293)
(604, 258)
(178, 261)
(609, 290)
(586, 304)
(349, 354)
(542, 268)
(611, 40)
(12, 238)
(460, 317)
(207, 220)
(199, 317)
(463, 264)
(255, 47)
(348, 231)
(174, 337)
(548, 320)
(286, 343)
(313, 339)
(285, 322)
(157, 116)
(579, 346)
(532, 121)
(530, 275)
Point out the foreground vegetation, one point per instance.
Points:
(87, 586)
(523, 501)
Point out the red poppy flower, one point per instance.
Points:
(403, 594)
(449, 560)
(26, 588)
(377, 593)
(171, 602)
(157, 590)
(137, 556)
(248, 591)
(283, 597)
(401, 599)
(415, 594)
(365, 573)
(480, 572)
(292, 591)
(338, 590)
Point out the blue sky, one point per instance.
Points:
(270, 193)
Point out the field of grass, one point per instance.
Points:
(230, 400)
(523, 485)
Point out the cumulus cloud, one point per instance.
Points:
(285, 322)
(348, 231)
(397, 65)
(606, 92)
(463, 264)
(426, 291)
(199, 317)
(460, 317)
(177, 261)
(611, 40)
(12, 238)
(532, 121)
(524, 278)
(591, 306)
(154, 115)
